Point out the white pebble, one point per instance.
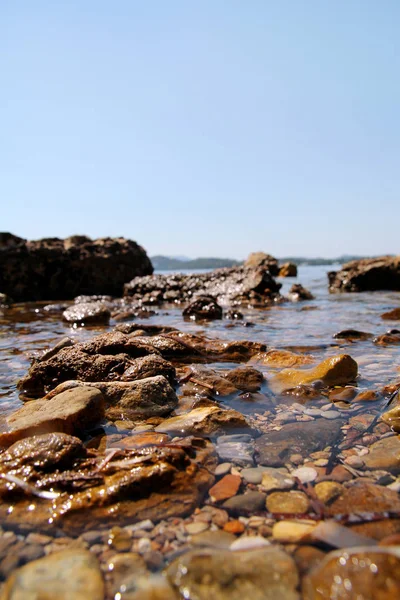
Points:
(247, 543)
(305, 474)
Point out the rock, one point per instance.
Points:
(225, 488)
(392, 315)
(366, 396)
(368, 274)
(203, 308)
(87, 313)
(352, 334)
(246, 542)
(245, 503)
(305, 474)
(207, 382)
(363, 572)
(63, 343)
(288, 502)
(213, 539)
(288, 270)
(238, 449)
(70, 412)
(260, 259)
(150, 366)
(253, 475)
(246, 379)
(262, 574)
(144, 398)
(344, 394)
(292, 532)
(327, 491)
(282, 358)
(227, 286)
(275, 479)
(63, 575)
(298, 292)
(205, 421)
(54, 269)
(365, 497)
(337, 370)
(384, 455)
(235, 526)
(144, 483)
(275, 448)
(386, 339)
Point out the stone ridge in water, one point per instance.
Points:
(229, 285)
(367, 274)
(55, 269)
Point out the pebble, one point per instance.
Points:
(276, 479)
(225, 488)
(196, 527)
(143, 545)
(249, 543)
(223, 469)
(321, 462)
(292, 532)
(328, 490)
(296, 459)
(249, 502)
(305, 474)
(253, 474)
(354, 461)
(330, 414)
(288, 502)
(142, 525)
(213, 539)
(234, 527)
(312, 412)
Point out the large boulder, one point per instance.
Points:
(367, 274)
(236, 285)
(51, 269)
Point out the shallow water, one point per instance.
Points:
(26, 330)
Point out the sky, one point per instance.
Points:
(211, 128)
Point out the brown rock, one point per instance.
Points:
(205, 421)
(288, 502)
(392, 315)
(225, 488)
(282, 358)
(149, 366)
(365, 497)
(87, 313)
(355, 573)
(337, 370)
(265, 574)
(246, 379)
(366, 396)
(63, 575)
(203, 308)
(298, 292)
(70, 412)
(369, 274)
(384, 454)
(234, 527)
(327, 491)
(288, 270)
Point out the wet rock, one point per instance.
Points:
(368, 274)
(228, 285)
(246, 379)
(245, 503)
(367, 396)
(364, 573)
(365, 497)
(327, 491)
(52, 269)
(213, 539)
(276, 479)
(149, 366)
(275, 448)
(298, 292)
(288, 270)
(337, 370)
(288, 502)
(63, 575)
(386, 339)
(282, 358)
(234, 315)
(87, 313)
(63, 343)
(384, 454)
(205, 421)
(70, 412)
(305, 474)
(254, 474)
(153, 482)
(344, 394)
(263, 574)
(206, 381)
(203, 308)
(352, 334)
(292, 531)
(391, 315)
(225, 488)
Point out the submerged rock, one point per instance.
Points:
(265, 574)
(70, 412)
(246, 379)
(298, 292)
(203, 308)
(385, 453)
(87, 313)
(205, 421)
(282, 358)
(352, 334)
(392, 315)
(55, 269)
(63, 575)
(362, 572)
(368, 274)
(275, 448)
(337, 370)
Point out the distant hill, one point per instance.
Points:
(167, 263)
(178, 263)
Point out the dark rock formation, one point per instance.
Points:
(52, 269)
(288, 270)
(368, 274)
(203, 308)
(298, 292)
(260, 259)
(237, 285)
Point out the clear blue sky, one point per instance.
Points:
(203, 127)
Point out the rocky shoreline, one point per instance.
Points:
(148, 461)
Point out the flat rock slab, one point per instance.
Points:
(70, 412)
(275, 448)
(65, 575)
(264, 574)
